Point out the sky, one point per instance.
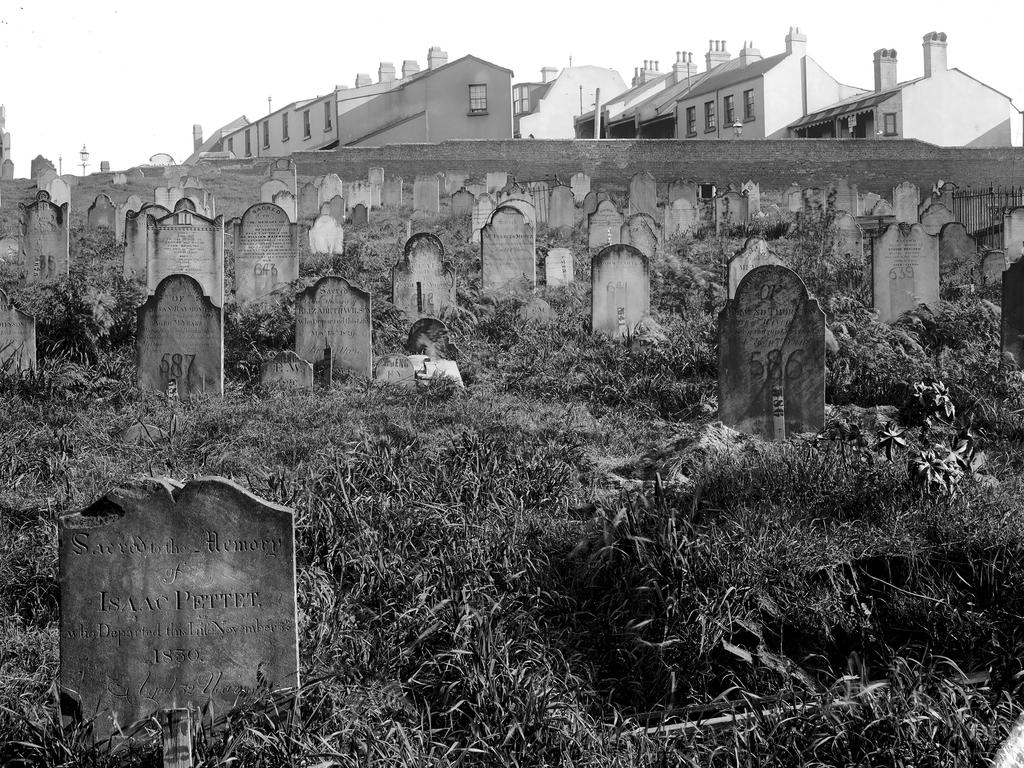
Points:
(128, 80)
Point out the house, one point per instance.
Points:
(548, 109)
(944, 106)
(616, 123)
(301, 125)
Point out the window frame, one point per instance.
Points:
(477, 110)
(248, 142)
(885, 124)
(710, 117)
(230, 144)
(284, 126)
(328, 118)
(749, 107)
(729, 108)
(266, 133)
(691, 120)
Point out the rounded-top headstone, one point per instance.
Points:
(429, 336)
(395, 368)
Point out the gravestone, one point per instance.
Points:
(462, 203)
(429, 336)
(10, 250)
(620, 286)
(284, 170)
(558, 267)
(730, 211)
(180, 338)
(101, 213)
(425, 195)
(453, 181)
(375, 176)
(683, 189)
(580, 185)
(1011, 334)
(643, 194)
(536, 311)
(561, 208)
(335, 207)
(40, 164)
(957, 250)
(524, 206)
(793, 198)
(266, 247)
(482, 210)
(812, 201)
(905, 199)
(538, 193)
(428, 369)
(359, 193)
(60, 191)
(847, 197)
(993, 264)
(286, 202)
(755, 253)
(590, 203)
(867, 203)
(495, 181)
(7, 169)
(288, 369)
(186, 243)
(882, 208)
(508, 252)
(680, 217)
(43, 239)
(330, 186)
(268, 189)
(604, 226)
(133, 203)
(326, 236)
(422, 282)
(395, 369)
(640, 231)
(335, 314)
(905, 270)
(136, 238)
(391, 193)
(360, 217)
(17, 338)
(175, 596)
(752, 192)
(849, 239)
(771, 356)
(1013, 233)
(935, 217)
(45, 177)
(120, 179)
(308, 205)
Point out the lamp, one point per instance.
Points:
(737, 129)
(84, 154)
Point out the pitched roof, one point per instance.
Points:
(720, 77)
(856, 103)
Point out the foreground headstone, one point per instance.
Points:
(44, 239)
(17, 338)
(266, 252)
(508, 252)
(180, 339)
(755, 253)
(395, 369)
(334, 314)
(906, 198)
(326, 236)
(422, 282)
(558, 267)
(186, 243)
(905, 270)
(1012, 321)
(604, 226)
(771, 356)
(287, 369)
(175, 596)
(620, 291)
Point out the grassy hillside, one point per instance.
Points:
(520, 572)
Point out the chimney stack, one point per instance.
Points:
(547, 74)
(885, 69)
(934, 53)
(796, 42)
(409, 67)
(386, 72)
(197, 136)
(436, 58)
(363, 79)
(749, 54)
(717, 54)
(684, 66)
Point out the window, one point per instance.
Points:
(709, 116)
(729, 103)
(477, 98)
(305, 124)
(890, 123)
(266, 134)
(328, 123)
(691, 121)
(284, 127)
(521, 99)
(748, 104)
(248, 143)
(231, 145)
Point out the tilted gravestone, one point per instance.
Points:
(643, 194)
(175, 596)
(395, 368)
(558, 267)
(906, 198)
(186, 243)
(330, 186)
(308, 207)
(266, 252)
(136, 239)
(326, 236)
(508, 252)
(422, 282)
(391, 193)
(335, 314)
(425, 198)
(1012, 320)
(905, 270)
(755, 253)
(604, 226)
(680, 217)
(642, 232)
(482, 210)
(561, 208)
(958, 252)
(360, 217)
(580, 185)
(934, 217)
(17, 338)
(620, 285)
(43, 239)
(287, 369)
(180, 339)
(462, 203)
(771, 356)
(101, 213)
(429, 336)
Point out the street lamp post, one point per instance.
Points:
(737, 129)
(84, 154)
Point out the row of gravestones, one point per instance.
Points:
(907, 206)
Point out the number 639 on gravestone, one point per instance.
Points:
(901, 272)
